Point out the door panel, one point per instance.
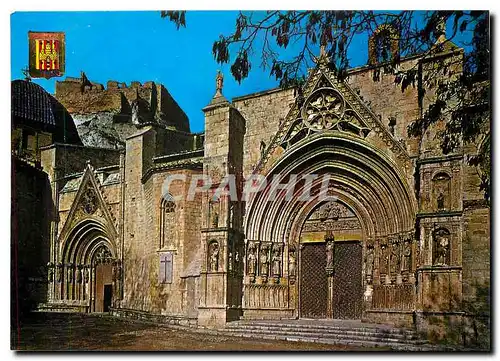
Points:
(313, 281)
(347, 285)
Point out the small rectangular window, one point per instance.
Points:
(166, 268)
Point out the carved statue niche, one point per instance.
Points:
(441, 247)
(213, 256)
(251, 260)
(264, 261)
(292, 264)
(370, 254)
(276, 260)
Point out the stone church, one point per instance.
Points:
(399, 234)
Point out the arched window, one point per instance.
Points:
(441, 189)
(441, 244)
(167, 220)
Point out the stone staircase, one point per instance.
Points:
(343, 332)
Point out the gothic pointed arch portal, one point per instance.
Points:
(375, 197)
(88, 276)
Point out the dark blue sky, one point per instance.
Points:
(128, 46)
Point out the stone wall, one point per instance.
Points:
(105, 116)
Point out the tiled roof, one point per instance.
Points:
(31, 102)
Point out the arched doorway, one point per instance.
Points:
(330, 283)
(88, 274)
(374, 189)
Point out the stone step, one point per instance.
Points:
(324, 327)
(333, 336)
(330, 331)
(338, 341)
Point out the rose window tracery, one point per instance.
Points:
(323, 109)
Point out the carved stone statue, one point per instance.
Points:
(406, 266)
(440, 201)
(264, 261)
(276, 269)
(70, 272)
(384, 258)
(79, 274)
(329, 255)
(442, 247)
(213, 256)
(86, 274)
(251, 260)
(395, 259)
(292, 262)
(369, 262)
(215, 220)
(219, 82)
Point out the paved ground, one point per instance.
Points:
(79, 332)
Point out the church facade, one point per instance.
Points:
(390, 229)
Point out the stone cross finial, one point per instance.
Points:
(219, 83)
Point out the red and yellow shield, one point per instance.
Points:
(46, 54)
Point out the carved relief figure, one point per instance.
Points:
(395, 259)
(219, 82)
(440, 201)
(406, 254)
(441, 247)
(384, 258)
(329, 255)
(215, 220)
(292, 262)
(70, 272)
(213, 256)
(251, 260)
(86, 274)
(264, 260)
(276, 261)
(79, 274)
